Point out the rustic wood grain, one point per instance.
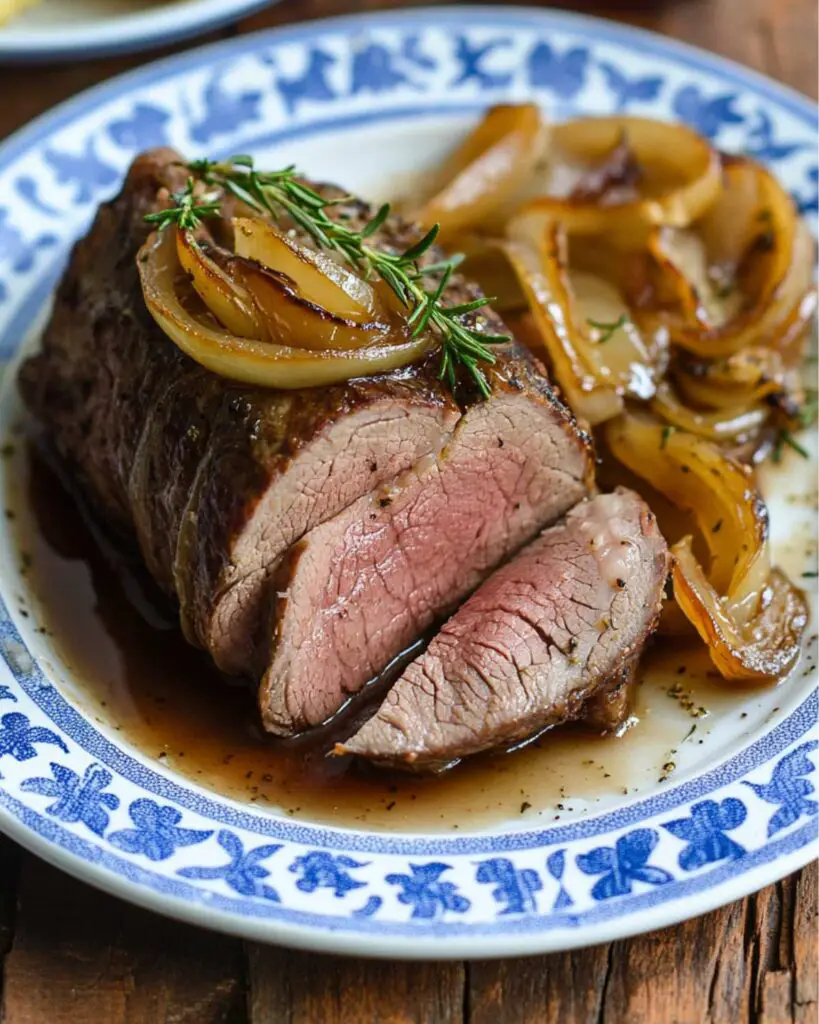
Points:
(72, 954)
(289, 987)
(80, 957)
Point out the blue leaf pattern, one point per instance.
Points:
(562, 74)
(157, 834)
(28, 190)
(86, 170)
(374, 70)
(426, 894)
(18, 737)
(556, 865)
(761, 144)
(243, 872)
(810, 204)
(77, 799)
(623, 864)
(224, 111)
(707, 115)
(145, 128)
(471, 60)
(515, 888)
(15, 251)
(630, 90)
(320, 870)
(705, 832)
(789, 788)
(6, 694)
(312, 84)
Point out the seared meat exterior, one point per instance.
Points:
(546, 633)
(217, 481)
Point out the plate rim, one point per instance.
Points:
(155, 70)
(362, 943)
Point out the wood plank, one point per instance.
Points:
(10, 859)
(754, 960)
(289, 987)
(560, 989)
(81, 957)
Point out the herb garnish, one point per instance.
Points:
(608, 330)
(274, 192)
(188, 211)
(667, 432)
(785, 437)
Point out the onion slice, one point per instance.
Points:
(230, 303)
(750, 616)
(316, 276)
(734, 425)
(487, 171)
(249, 360)
(593, 373)
(743, 277)
(739, 381)
(763, 649)
(679, 178)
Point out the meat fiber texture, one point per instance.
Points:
(223, 486)
(550, 632)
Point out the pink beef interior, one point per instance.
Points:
(370, 581)
(351, 455)
(542, 636)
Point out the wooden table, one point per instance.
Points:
(77, 956)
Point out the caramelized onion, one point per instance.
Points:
(764, 648)
(229, 302)
(486, 172)
(317, 278)
(743, 379)
(594, 374)
(257, 362)
(679, 178)
(743, 276)
(289, 316)
(739, 606)
(725, 425)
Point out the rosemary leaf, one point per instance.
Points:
(281, 191)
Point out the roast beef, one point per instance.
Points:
(534, 644)
(368, 582)
(216, 481)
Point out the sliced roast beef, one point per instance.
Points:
(365, 584)
(214, 479)
(532, 646)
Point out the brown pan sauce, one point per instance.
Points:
(126, 663)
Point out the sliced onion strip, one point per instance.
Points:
(256, 362)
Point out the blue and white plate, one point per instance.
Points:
(64, 29)
(370, 101)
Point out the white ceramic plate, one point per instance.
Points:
(61, 29)
(372, 99)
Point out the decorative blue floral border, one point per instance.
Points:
(76, 796)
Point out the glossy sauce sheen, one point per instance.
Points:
(132, 671)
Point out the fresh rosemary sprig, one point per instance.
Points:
(785, 437)
(607, 330)
(188, 211)
(277, 192)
